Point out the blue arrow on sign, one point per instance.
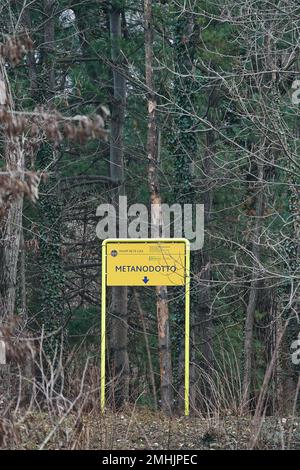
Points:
(145, 279)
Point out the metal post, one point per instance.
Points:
(187, 319)
(187, 332)
(103, 328)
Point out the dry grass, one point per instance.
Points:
(141, 429)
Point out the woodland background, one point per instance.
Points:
(184, 101)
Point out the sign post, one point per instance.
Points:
(146, 262)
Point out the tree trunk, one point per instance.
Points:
(288, 373)
(151, 372)
(250, 311)
(11, 225)
(156, 223)
(49, 31)
(183, 143)
(203, 331)
(119, 325)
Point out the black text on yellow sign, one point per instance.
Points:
(141, 262)
(151, 264)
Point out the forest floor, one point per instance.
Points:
(143, 429)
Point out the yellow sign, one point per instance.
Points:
(145, 263)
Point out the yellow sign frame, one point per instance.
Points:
(187, 310)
